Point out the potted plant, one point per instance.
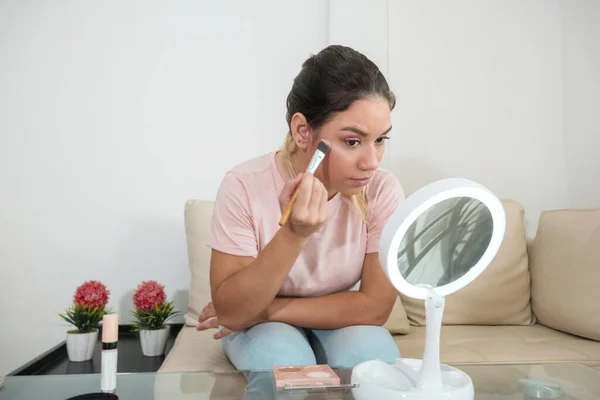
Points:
(86, 312)
(151, 311)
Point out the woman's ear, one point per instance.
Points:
(300, 131)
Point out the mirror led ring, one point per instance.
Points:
(417, 204)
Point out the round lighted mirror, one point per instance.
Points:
(443, 236)
(438, 241)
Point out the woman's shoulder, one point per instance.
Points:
(249, 179)
(254, 166)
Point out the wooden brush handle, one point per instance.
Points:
(290, 206)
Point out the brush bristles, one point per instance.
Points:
(323, 147)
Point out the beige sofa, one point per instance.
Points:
(538, 302)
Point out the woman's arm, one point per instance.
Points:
(370, 305)
(243, 287)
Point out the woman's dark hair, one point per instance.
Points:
(331, 80)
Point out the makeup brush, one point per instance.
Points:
(314, 163)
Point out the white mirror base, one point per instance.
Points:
(412, 378)
(379, 380)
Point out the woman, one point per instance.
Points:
(281, 293)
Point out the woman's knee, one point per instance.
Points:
(349, 346)
(267, 345)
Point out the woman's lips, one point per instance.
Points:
(360, 181)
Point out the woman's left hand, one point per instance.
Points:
(208, 319)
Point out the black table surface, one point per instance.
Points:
(130, 357)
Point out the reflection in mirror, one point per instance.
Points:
(445, 242)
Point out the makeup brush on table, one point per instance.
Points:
(314, 163)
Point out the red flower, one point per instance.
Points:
(149, 294)
(91, 294)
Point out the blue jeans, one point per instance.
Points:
(275, 344)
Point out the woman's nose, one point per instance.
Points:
(369, 160)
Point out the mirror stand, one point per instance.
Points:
(430, 379)
(409, 378)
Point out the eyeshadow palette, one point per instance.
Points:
(306, 376)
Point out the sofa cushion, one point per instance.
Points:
(565, 271)
(198, 351)
(502, 345)
(197, 216)
(501, 294)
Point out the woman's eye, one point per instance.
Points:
(352, 142)
(380, 140)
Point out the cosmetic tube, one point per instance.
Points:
(110, 337)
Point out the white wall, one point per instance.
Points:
(581, 80)
(480, 97)
(504, 93)
(110, 119)
(362, 25)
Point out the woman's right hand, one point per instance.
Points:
(310, 209)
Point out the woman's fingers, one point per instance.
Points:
(288, 190)
(309, 210)
(300, 210)
(323, 208)
(208, 320)
(222, 333)
(316, 198)
(208, 324)
(207, 312)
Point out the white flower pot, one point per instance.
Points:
(80, 346)
(154, 341)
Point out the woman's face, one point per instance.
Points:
(357, 137)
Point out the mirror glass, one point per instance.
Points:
(445, 242)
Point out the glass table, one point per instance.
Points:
(504, 382)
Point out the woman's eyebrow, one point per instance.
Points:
(360, 132)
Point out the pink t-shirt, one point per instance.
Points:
(246, 217)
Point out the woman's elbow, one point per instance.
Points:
(379, 319)
(230, 320)
(380, 315)
(234, 323)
